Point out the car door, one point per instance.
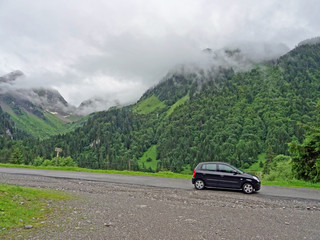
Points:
(229, 177)
(210, 174)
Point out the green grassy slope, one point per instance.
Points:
(180, 102)
(148, 159)
(148, 105)
(42, 128)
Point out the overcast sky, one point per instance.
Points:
(117, 49)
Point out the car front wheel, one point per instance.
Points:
(199, 184)
(247, 188)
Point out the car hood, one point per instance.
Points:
(248, 175)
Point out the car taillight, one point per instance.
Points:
(194, 173)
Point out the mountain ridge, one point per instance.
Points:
(231, 116)
(38, 112)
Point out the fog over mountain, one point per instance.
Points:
(115, 50)
(47, 99)
(11, 77)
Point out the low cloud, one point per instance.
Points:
(117, 50)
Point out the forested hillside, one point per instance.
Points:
(207, 115)
(7, 127)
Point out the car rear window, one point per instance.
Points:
(209, 166)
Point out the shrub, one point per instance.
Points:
(282, 171)
(66, 162)
(63, 162)
(305, 156)
(38, 161)
(46, 163)
(246, 165)
(261, 164)
(16, 156)
(281, 157)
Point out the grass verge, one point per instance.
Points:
(292, 183)
(20, 206)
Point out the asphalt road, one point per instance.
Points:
(266, 191)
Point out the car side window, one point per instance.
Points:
(225, 168)
(209, 167)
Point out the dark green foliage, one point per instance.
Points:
(17, 103)
(306, 156)
(116, 135)
(282, 171)
(229, 117)
(5, 124)
(269, 159)
(61, 162)
(174, 87)
(7, 128)
(261, 165)
(16, 156)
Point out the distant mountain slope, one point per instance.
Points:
(6, 125)
(8, 129)
(40, 112)
(206, 114)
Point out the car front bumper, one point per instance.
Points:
(257, 186)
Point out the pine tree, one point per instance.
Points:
(269, 158)
(16, 156)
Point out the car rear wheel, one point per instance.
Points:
(199, 184)
(247, 188)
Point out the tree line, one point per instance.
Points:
(229, 117)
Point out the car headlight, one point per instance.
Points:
(255, 178)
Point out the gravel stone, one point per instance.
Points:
(102, 210)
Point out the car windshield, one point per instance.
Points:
(242, 172)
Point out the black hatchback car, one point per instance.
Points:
(224, 175)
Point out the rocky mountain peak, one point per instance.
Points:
(12, 76)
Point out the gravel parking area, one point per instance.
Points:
(103, 210)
